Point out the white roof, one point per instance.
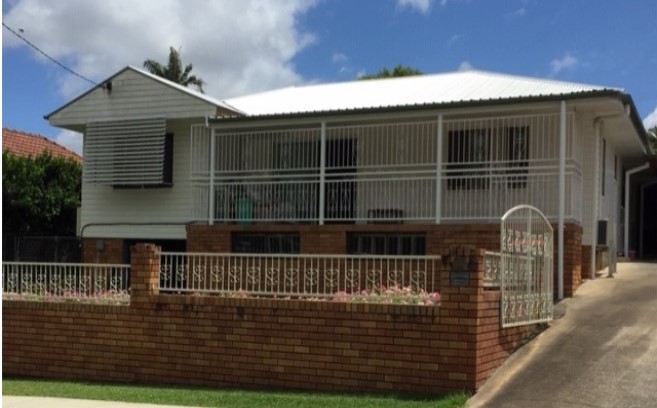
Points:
(451, 87)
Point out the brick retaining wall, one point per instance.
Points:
(212, 341)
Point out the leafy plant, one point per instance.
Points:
(398, 71)
(40, 195)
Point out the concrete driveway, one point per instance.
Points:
(601, 353)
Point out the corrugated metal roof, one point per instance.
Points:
(445, 88)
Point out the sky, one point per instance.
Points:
(246, 46)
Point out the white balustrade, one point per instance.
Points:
(306, 276)
(83, 281)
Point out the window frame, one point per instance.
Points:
(270, 242)
(381, 243)
(461, 150)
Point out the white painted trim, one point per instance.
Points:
(213, 158)
(562, 195)
(596, 194)
(629, 174)
(322, 174)
(439, 165)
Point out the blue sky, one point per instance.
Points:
(245, 46)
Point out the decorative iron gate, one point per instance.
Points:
(526, 267)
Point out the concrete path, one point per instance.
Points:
(36, 402)
(601, 353)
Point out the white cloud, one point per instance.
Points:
(465, 66)
(519, 13)
(236, 47)
(566, 62)
(70, 140)
(422, 6)
(339, 58)
(650, 121)
(452, 40)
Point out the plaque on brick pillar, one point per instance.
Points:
(459, 274)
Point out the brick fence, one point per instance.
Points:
(292, 344)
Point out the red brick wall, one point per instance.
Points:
(112, 252)
(212, 341)
(586, 262)
(572, 260)
(332, 239)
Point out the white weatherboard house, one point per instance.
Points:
(393, 166)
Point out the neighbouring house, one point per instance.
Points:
(393, 166)
(31, 145)
(35, 246)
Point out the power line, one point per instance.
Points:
(48, 56)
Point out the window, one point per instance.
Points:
(128, 153)
(265, 243)
(474, 153)
(468, 156)
(386, 244)
(517, 156)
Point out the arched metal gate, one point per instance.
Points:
(526, 272)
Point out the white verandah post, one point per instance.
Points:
(562, 196)
(322, 173)
(597, 130)
(439, 165)
(213, 158)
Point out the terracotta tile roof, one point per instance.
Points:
(29, 144)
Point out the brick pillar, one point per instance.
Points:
(462, 301)
(144, 274)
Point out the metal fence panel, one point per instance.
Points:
(295, 275)
(526, 267)
(45, 281)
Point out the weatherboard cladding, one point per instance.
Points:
(424, 90)
(135, 94)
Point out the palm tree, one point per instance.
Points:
(173, 71)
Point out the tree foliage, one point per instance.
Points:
(398, 71)
(652, 139)
(40, 195)
(174, 71)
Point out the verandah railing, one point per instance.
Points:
(386, 171)
(317, 276)
(60, 281)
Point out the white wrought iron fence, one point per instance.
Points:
(492, 265)
(82, 281)
(306, 276)
(526, 274)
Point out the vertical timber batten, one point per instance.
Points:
(213, 158)
(562, 196)
(322, 173)
(439, 165)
